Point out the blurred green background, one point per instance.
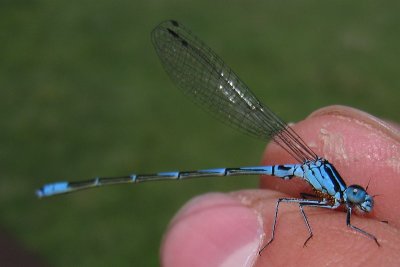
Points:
(82, 94)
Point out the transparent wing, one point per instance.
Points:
(204, 77)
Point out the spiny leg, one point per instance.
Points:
(348, 217)
(301, 202)
(273, 225)
(307, 224)
(312, 203)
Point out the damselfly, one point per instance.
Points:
(204, 77)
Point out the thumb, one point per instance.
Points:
(213, 230)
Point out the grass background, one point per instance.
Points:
(82, 94)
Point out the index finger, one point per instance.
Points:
(364, 149)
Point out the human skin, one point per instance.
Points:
(228, 229)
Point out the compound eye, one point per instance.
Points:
(356, 194)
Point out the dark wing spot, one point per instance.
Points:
(175, 23)
(173, 33)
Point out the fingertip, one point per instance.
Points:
(212, 230)
(362, 148)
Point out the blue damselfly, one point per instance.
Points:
(204, 77)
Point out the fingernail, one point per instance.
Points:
(345, 135)
(389, 128)
(213, 230)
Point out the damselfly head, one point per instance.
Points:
(358, 196)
